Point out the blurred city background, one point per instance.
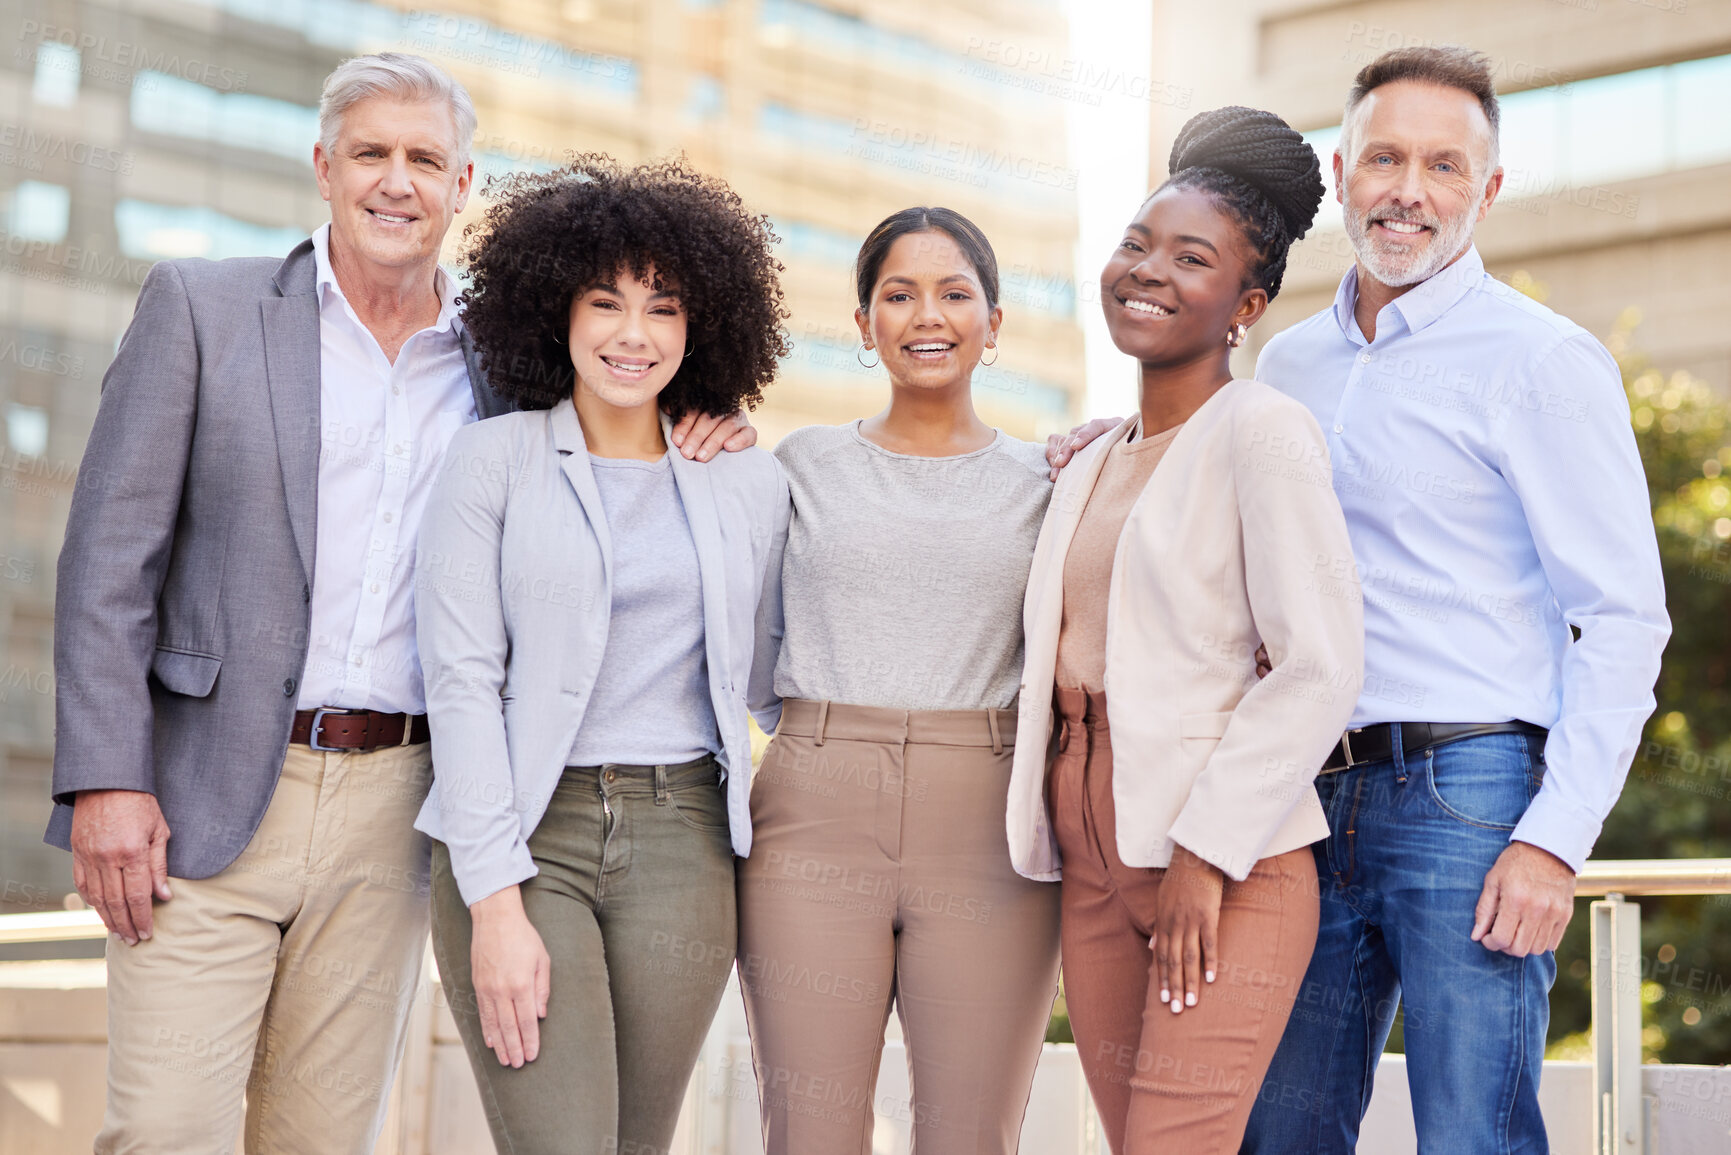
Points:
(137, 130)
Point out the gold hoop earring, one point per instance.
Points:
(994, 359)
(1235, 335)
(859, 355)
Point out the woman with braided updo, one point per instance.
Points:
(1178, 802)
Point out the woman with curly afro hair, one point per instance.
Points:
(586, 601)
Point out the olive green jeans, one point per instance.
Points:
(635, 903)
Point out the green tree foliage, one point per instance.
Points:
(1677, 803)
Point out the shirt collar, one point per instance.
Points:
(326, 282)
(1419, 305)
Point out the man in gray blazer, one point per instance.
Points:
(240, 703)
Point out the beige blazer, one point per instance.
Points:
(1231, 545)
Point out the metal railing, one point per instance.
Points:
(1620, 1124)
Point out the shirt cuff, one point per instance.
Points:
(1554, 826)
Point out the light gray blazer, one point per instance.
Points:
(185, 580)
(512, 599)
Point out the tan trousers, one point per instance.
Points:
(880, 869)
(1167, 1083)
(286, 978)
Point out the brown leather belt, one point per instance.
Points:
(1376, 743)
(354, 730)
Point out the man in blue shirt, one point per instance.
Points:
(1514, 617)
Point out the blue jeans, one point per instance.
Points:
(1409, 845)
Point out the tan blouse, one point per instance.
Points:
(1088, 565)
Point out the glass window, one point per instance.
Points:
(808, 242)
(1611, 129)
(27, 430)
(58, 70)
(175, 107)
(1701, 111)
(156, 232)
(39, 211)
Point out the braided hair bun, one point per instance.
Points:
(1262, 172)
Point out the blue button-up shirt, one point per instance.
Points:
(1494, 497)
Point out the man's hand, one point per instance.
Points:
(700, 436)
(1186, 923)
(1527, 902)
(120, 858)
(512, 973)
(1061, 447)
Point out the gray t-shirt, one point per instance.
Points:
(651, 704)
(903, 580)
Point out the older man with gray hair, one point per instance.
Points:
(241, 727)
(240, 703)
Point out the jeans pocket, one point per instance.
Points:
(1485, 782)
(702, 807)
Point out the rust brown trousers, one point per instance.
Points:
(1164, 1082)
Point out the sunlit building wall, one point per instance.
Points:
(137, 130)
(1615, 140)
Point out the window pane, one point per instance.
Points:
(1612, 127)
(40, 212)
(1702, 111)
(58, 69)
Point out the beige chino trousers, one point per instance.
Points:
(880, 870)
(280, 986)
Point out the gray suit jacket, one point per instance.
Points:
(185, 581)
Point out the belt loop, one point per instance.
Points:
(1397, 750)
(661, 794)
(992, 726)
(822, 717)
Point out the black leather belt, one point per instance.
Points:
(1376, 743)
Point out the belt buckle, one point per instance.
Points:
(1346, 747)
(318, 720)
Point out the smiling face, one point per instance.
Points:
(1419, 178)
(929, 317)
(627, 340)
(1175, 284)
(393, 182)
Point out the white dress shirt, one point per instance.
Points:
(1494, 496)
(383, 432)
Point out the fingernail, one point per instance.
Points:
(1165, 995)
(1189, 998)
(1209, 975)
(1176, 1006)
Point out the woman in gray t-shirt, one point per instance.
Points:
(880, 866)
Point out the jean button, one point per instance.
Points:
(609, 775)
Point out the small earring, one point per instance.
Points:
(859, 355)
(995, 354)
(557, 339)
(689, 348)
(1235, 335)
